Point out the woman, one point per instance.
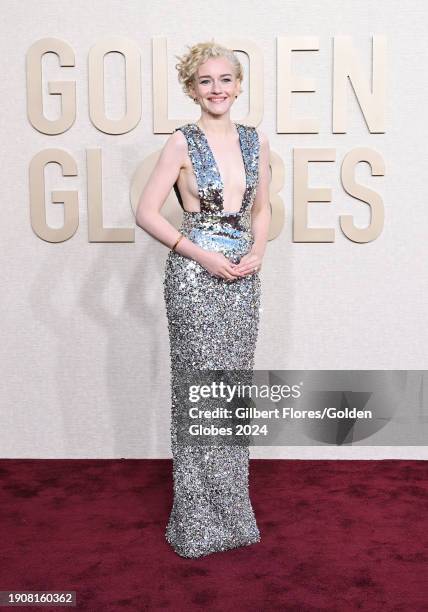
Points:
(220, 172)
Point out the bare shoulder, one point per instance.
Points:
(264, 143)
(263, 139)
(175, 147)
(177, 141)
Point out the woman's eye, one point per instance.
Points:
(206, 81)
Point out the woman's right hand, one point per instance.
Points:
(218, 265)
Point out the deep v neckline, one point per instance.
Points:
(216, 166)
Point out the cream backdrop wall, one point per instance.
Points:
(85, 362)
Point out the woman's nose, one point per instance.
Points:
(216, 88)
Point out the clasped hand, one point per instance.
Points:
(218, 265)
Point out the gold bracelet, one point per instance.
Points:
(181, 236)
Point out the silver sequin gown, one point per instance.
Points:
(212, 324)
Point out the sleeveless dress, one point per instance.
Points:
(212, 324)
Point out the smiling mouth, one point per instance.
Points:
(217, 99)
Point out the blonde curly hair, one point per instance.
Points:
(198, 54)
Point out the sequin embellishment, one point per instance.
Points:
(212, 324)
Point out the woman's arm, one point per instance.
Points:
(260, 211)
(154, 195)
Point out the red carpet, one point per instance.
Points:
(336, 536)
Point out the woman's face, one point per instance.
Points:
(216, 86)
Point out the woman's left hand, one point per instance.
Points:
(249, 263)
